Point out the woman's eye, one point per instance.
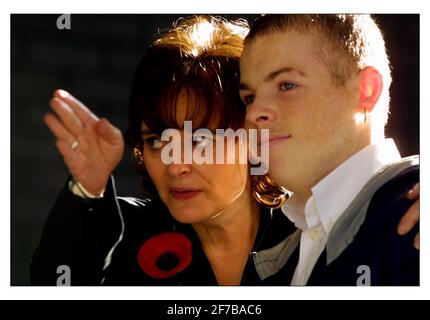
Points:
(201, 141)
(285, 86)
(154, 142)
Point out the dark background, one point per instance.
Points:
(95, 60)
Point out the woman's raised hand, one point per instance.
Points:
(91, 147)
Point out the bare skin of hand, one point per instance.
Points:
(412, 216)
(100, 144)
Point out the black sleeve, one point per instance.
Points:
(403, 260)
(77, 236)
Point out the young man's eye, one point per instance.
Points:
(248, 99)
(285, 86)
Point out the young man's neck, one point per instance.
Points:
(304, 192)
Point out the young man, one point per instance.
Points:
(320, 84)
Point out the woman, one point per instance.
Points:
(190, 73)
(201, 225)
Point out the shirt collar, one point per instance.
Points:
(332, 195)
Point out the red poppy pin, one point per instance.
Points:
(164, 255)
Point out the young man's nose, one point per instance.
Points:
(260, 115)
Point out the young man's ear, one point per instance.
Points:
(370, 89)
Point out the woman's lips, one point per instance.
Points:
(184, 193)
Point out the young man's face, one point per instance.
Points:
(288, 89)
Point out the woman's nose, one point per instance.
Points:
(178, 169)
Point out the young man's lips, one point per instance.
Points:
(275, 140)
(184, 193)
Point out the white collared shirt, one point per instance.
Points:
(330, 198)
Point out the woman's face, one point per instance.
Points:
(195, 193)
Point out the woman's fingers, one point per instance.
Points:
(414, 192)
(84, 114)
(417, 241)
(410, 218)
(68, 118)
(108, 132)
(86, 118)
(60, 132)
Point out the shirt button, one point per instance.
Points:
(314, 234)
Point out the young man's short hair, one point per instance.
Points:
(348, 43)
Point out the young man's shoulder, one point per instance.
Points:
(389, 202)
(376, 248)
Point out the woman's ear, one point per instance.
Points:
(370, 89)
